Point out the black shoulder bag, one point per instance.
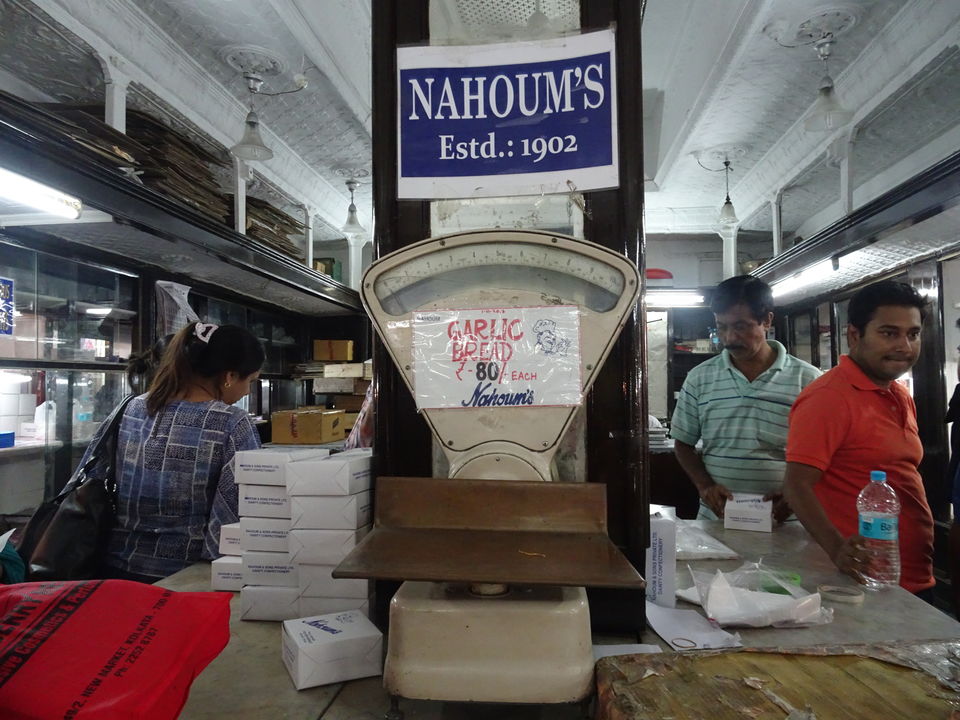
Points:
(66, 537)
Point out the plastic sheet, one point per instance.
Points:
(755, 596)
(694, 543)
(104, 649)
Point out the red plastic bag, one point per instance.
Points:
(104, 648)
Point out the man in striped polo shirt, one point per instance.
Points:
(737, 403)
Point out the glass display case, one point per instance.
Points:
(65, 310)
(53, 414)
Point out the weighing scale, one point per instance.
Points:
(499, 336)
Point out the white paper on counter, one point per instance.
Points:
(688, 629)
(602, 651)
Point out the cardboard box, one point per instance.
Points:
(263, 602)
(745, 511)
(318, 581)
(325, 386)
(348, 403)
(661, 561)
(307, 426)
(268, 534)
(226, 573)
(266, 501)
(330, 512)
(340, 474)
(267, 465)
(341, 350)
(230, 539)
(322, 547)
(349, 420)
(269, 568)
(341, 370)
(325, 649)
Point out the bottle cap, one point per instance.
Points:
(851, 596)
(878, 476)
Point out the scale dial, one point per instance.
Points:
(501, 269)
(425, 280)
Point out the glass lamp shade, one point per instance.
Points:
(728, 215)
(827, 114)
(352, 226)
(251, 145)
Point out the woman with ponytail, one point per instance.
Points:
(175, 453)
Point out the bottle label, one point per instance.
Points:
(879, 528)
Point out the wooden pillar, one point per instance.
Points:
(401, 437)
(617, 405)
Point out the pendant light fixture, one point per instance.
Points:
(352, 226)
(828, 113)
(728, 215)
(251, 145)
(256, 63)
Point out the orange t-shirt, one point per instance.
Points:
(846, 426)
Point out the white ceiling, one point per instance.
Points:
(716, 75)
(717, 78)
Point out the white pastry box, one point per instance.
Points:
(230, 539)
(263, 602)
(330, 512)
(322, 547)
(268, 501)
(226, 573)
(268, 534)
(318, 581)
(342, 474)
(268, 568)
(267, 466)
(331, 648)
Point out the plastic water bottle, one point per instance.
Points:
(879, 511)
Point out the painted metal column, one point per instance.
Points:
(355, 245)
(115, 102)
(729, 236)
(241, 173)
(308, 235)
(776, 209)
(846, 178)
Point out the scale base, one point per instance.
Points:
(532, 645)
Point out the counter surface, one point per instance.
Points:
(887, 615)
(248, 679)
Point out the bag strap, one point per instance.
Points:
(108, 436)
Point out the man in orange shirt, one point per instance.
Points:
(855, 419)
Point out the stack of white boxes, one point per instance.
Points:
(301, 512)
(264, 516)
(330, 512)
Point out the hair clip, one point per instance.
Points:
(204, 330)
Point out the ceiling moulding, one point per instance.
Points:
(153, 59)
(681, 220)
(748, 25)
(333, 45)
(919, 32)
(56, 62)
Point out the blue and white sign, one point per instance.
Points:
(6, 306)
(507, 119)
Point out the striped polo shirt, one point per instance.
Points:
(743, 425)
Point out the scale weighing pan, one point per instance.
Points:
(490, 531)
